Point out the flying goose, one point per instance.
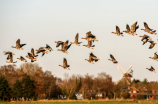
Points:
(155, 57)
(76, 41)
(65, 47)
(151, 69)
(90, 60)
(65, 65)
(22, 59)
(148, 30)
(48, 48)
(90, 37)
(59, 43)
(29, 56)
(11, 59)
(152, 44)
(33, 53)
(145, 38)
(112, 59)
(89, 45)
(41, 50)
(127, 29)
(118, 32)
(8, 53)
(133, 29)
(94, 57)
(18, 45)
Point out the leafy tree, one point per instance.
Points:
(28, 87)
(17, 89)
(5, 90)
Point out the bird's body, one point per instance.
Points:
(41, 50)
(22, 59)
(155, 57)
(118, 33)
(76, 40)
(152, 44)
(148, 30)
(151, 69)
(133, 29)
(90, 37)
(18, 45)
(89, 45)
(47, 48)
(112, 59)
(10, 56)
(90, 60)
(65, 65)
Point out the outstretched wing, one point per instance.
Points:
(59, 43)
(91, 54)
(127, 27)
(47, 46)
(32, 52)
(146, 25)
(112, 56)
(117, 29)
(76, 38)
(18, 43)
(133, 27)
(88, 33)
(64, 62)
(155, 55)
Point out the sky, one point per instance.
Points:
(41, 22)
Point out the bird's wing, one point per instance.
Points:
(76, 38)
(127, 27)
(65, 62)
(151, 45)
(18, 43)
(155, 55)
(112, 56)
(47, 46)
(117, 29)
(89, 43)
(88, 33)
(68, 46)
(146, 25)
(59, 43)
(133, 27)
(32, 52)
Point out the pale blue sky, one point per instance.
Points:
(41, 22)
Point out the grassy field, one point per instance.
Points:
(83, 102)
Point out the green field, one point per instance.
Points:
(83, 102)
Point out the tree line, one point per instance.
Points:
(30, 82)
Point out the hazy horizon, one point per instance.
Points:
(38, 22)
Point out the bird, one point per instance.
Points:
(8, 53)
(89, 45)
(18, 45)
(127, 29)
(112, 59)
(59, 43)
(48, 48)
(148, 30)
(22, 59)
(29, 56)
(41, 50)
(65, 47)
(145, 38)
(151, 69)
(90, 37)
(33, 53)
(90, 60)
(155, 57)
(76, 40)
(94, 57)
(11, 59)
(133, 29)
(152, 44)
(118, 32)
(65, 65)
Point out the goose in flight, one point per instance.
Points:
(89, 45)
(155, 57)
(33, 53)
(133, 29)
(8, 53)
(90, 60)
(47, 48)
(29, 56)
(11, 59)
(59, 43)
(90, 37)
(65, 65)
(18, 45)
(22, 59)
(148, 30)
(76, 41)
(112, 59)
(65, 47)
(118, 32)
(151, 69)
(41, 50)
(127, 29)
(152, 44)
(145, 38)
(94, 57)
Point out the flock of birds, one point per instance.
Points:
(90, 39)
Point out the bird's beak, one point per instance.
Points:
(96, 40)
(67, 52)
